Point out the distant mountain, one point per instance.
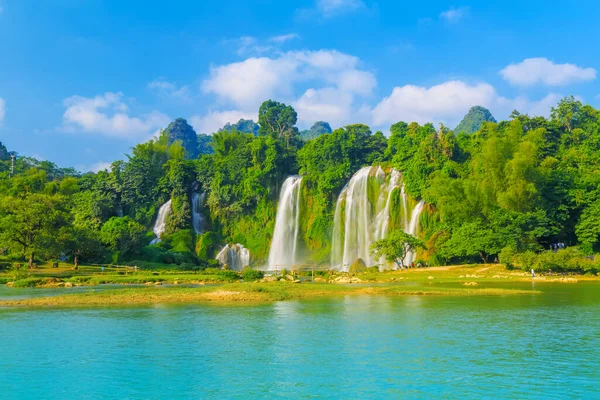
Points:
(474, 119)
(243, 125)
(181, 130)
(319, 128)
(4, 154)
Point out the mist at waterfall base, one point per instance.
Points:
(284, 247)
(359, 220)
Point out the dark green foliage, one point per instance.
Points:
(204, 144)
(474, 120)
(319, 128)
(249, 274)
(4, 155)
(180, 130)
(243, 125)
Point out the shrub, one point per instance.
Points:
(28, 282)
(185, 266)
(250, 274)
(358, 266)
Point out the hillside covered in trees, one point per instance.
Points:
(511, 189)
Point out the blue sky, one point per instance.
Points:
(82, 81)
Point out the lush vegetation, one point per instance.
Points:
(510, 190)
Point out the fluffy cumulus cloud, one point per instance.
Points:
(333, 80)
(448, 102)
(2, 109)
(533, 71)
(107, 114)
(454, 14)
(443, 102)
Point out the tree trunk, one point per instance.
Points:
(31, 257)
(76, 262)
(483, 257)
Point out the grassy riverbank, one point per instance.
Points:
(464, 280)
(244, 292)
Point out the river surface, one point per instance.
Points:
(521, 346)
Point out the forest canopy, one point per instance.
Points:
(511, 187)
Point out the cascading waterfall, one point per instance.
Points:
(197, 216)
(235, 256)
(362, 216)
(360, 221)
(161, 221)
(283, 251)
(412, 228)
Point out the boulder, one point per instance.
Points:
(68, 284)
(358, 266)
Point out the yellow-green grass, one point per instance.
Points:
(248, 292)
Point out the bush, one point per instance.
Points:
(28, 282)
(250, 274)
(358, 266)
(185, 266)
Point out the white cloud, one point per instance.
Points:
(247, 83)
(454, 14)
(330, 80)
(541, 70)
(107, 114)
(214, 120)
(448, 102)
(2, 109)
(330, 8)
(169, 89)
(284, 38)
(444, 102)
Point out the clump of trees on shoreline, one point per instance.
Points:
(511, 190)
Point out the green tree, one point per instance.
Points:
(396, 247)
(30, 223)
(278, 120)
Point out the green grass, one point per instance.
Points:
(247, 292)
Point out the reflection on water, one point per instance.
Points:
(542, 346)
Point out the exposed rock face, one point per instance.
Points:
(182, 131)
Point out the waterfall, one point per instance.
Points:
(161, 220)
(197, 216)
(360, 220)
(285, 236)
(235, 256)
(412, 227)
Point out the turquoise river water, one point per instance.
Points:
(523, 346)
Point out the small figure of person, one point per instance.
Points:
(427, 264)
(102, 269)
(532, 273)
